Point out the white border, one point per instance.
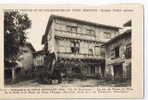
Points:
(99, 2)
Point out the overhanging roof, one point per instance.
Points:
(126, 33)
(82, 21)
(75, 20)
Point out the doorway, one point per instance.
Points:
(118, 72)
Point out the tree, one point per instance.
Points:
(15, 26)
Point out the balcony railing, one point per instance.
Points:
(79, 56)
(115, 61)
(75, 35)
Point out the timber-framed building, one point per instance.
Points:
(78, 45)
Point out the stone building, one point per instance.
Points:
(77, 45)
(118, 55)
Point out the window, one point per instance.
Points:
(112, 54)
(75, 47)
(102, 51)
(97, 50)
(90, 32)
(117, 52)
(115, 33)
(90, 51)
(128, 51)
(72, 29)
(107, 35)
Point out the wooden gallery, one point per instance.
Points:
(81, 47)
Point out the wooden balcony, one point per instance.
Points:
(79, 56)
(81, 36)
(115, 61)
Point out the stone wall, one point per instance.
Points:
(124, 64)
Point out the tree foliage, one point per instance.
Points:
(15, 25)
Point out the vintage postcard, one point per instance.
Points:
(71, 51)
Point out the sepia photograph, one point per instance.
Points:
(71, 51)
(64, 49)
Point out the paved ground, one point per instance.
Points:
(76, 82)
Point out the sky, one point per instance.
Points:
(40, 20)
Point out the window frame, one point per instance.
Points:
(117, 51)
(107, 35)
(73, 29)
(90, 51)
(90, 32)
(128, 51)
(75, 47)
